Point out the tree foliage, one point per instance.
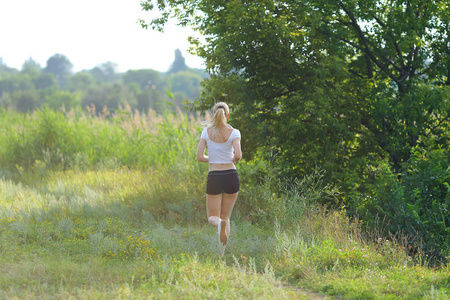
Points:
(60, 66)
(179, 63)
(278, 48)
(103, 86)
(343, 85)
(105, 72)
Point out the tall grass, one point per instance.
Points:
(58, 139)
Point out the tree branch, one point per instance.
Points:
(429, 68)
(397, 47)
(439, 124)
(355, 73)
(365, 43)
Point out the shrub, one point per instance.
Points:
(415, 203)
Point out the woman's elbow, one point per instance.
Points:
(202, 158)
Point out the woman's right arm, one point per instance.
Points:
(201, 157)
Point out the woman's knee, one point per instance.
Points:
(225, 217)
(213, 220)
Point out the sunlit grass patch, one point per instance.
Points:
(146, 259)
(176, 277)
(383, 283)
(115, 184)
(189, 277)
(344, 263)
(17, 197)
(130, 247)
(161, 193)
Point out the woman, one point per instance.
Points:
(222, 187)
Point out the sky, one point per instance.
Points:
(88, 33)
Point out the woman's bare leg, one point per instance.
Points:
(219, 207)
(213, 207)
(228, 201)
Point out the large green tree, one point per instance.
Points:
(337, 77)
(345, 85)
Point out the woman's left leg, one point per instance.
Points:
(213, 207)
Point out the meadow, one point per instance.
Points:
(111, 206)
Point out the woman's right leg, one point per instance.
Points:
(228, 201)
(213, 207)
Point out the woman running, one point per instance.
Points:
(222, 186)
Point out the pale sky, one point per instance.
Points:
(88, 33)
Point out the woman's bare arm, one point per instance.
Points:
(201, 157)
(237, 150)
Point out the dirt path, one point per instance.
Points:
(309, 295)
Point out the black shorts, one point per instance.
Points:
(226, 181)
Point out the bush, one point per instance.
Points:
(415, 203)
(265, 199)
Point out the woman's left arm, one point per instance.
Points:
(237, 150)
(201, 157)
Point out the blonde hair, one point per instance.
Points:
(219, 118)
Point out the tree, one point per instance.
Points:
(390, 50)
(110, 95)
(106, 72)
(44, 81)
(15, 83)
(81, 81)
(339, 84)
(58, 99)
(145, 78)
(31, 67)
(60, 67)
(41, 80)
(400, 43)
(25, 100)
(178, 64)
(187, 82)
(4, 69)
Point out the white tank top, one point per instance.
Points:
(220, 153)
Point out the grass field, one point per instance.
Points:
(75, 224)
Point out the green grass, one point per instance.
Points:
(98, 234)
(70, 244)
(113, 214)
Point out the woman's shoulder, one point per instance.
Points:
(204, 133)
(236, 133)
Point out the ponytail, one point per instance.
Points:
(219, 118)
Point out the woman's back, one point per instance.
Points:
(221, 148)
(222, 135)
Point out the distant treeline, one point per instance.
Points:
(55, 85)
